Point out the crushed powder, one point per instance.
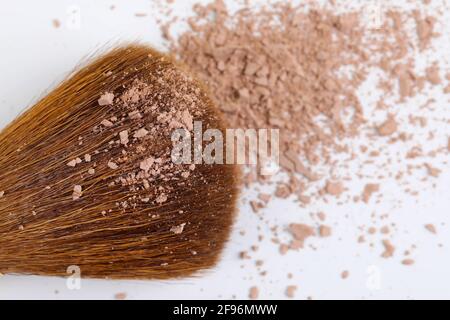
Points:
(290, 291)
(279, 67)
(178, 229)
(106, 99)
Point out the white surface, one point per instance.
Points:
(35, 56)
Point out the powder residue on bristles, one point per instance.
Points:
(254, 293)
(106, 99)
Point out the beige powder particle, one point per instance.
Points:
(120, 296)
(388, 128)
(432, 74)
(369, 190)
(56, 23)
(178, 229)
(431, 228)
(91, 171)
(106, 99)
(254, 293)
(290, 291)
(77, 192)
(140, 133)
(146, 164)
(345, 274)
(106, 123)
(185, 174)
(124, 137)
(87, 158)
(324, 231)
(334, 188)
(389, 249)
(72, 163)
(301, 232)
(2, 193)
(161, 198)
(112, 165)
(434, 172)
(408, 262)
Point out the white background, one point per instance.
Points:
(35, 56)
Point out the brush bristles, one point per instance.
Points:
(84, 185)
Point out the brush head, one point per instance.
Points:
(88, 179)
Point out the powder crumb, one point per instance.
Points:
(91, 171)
(334, 188)
(146, 164)
(301, 232)
(87, 158)
(140, 133)
(408, 262)
(72, 163)
(389, 249)
(388, 128)
(254, 293)
(106, 123)
(432, 74)
(345, 274)
(185, 174)
(431, 228)
(324, 231)
(161, 198)
(124, 137)
(178, 229)
(112, 165)
(106, 99)
(290, 291)
(2, 193)
(284, 248)
(120, 296)
(434, 172)
(369, 190)
(56, 23)
(77, 192)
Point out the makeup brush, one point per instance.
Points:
(87, 178)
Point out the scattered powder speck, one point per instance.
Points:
(120, 296)
(388, 128)
(431, 228)
(432, 171)
(408, 262)
(389, 249)
(324, 231)
(369, 190)
(301, 232)
(254, 293)
(290, 291)
(2, 193)
(345, 274)
(56, 23)
(334, 188)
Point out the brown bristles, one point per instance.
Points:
(88, 180)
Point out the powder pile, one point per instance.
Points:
(300, 69)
